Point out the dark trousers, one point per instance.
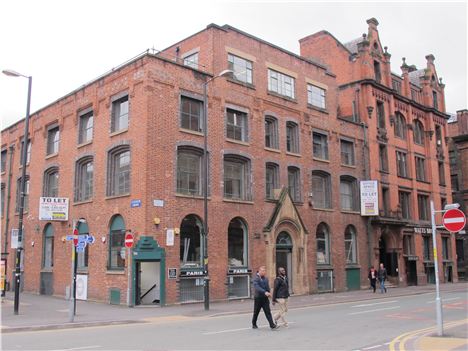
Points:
(372, 283)
(262, 303)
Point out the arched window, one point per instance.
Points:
(271, 132)
(82, 257)
(321, 189)
(294, 183)
(48, 254)
(292, 137)
(237, 180)
(400, 126)
(350, 244)
(237, 243)
(118, 171)
(116, 243)
(271, 179)
(349, 193)
(323, 244)
(50, 186)
(84, 177)
(191, 242)
(189, 170)
(418, 132)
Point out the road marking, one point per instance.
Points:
(403, 338)
(372, 347)
(373, 304)
(443, 300)
(240, 329)
(79, 348)
(376, 310)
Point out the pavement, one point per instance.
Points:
(41, 312)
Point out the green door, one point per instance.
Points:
(353, 281)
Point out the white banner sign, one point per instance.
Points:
(369, 198)
(14, 238)
(53, 209)
(81, 287)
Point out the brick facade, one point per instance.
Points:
(155, 85)
(365, 81)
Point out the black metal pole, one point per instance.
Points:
(21, 202)
(75, 265)
(206, 282)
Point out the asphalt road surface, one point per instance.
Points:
(366, 325)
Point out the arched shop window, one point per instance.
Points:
(116, 243)
(190, 242)
(237, 243)
(323, 244)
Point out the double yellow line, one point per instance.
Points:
(403, 338)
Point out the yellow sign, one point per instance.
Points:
(2, 275)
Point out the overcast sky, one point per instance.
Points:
(65, 44)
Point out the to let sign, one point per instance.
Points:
(454, 220)
(53, 209)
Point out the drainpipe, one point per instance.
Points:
(7, 209)
(366, 157)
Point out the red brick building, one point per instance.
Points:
(126, 149)
(458, 157)
(406, 124)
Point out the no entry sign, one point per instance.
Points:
(454, 220)
(129, 240)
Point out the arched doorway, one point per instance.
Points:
(284, 248)
(388, 256)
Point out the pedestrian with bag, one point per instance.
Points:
(372, 277)
(280, 296)
(382, 276)
(261, 298)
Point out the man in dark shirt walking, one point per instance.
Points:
(280, 295)
(261, 301)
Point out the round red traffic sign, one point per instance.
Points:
(75, 237)
(128, 240)
(454, 220)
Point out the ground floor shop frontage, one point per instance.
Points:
(321, 253)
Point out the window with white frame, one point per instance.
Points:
(349, 193)
(50, 186)
(316, 96)
(118, 171)
(236, 125)
(271, 179)
(323, 244)
(191, 60)
(294, 183)
(281, 83)
(53, 139)
(189, 170)
(271, 132)
(241, 67)
(237, 184)
(292, 137)
(320, 145)
(347, 152)
(321, 189)
(191, 114)
(350, 245)
(84, 175)
(120, 112)
(86, 128)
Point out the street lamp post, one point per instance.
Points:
(206, 282)
(24, 156)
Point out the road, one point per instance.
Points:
(366, 325)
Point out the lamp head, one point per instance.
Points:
(225, 73)
(11, 73)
